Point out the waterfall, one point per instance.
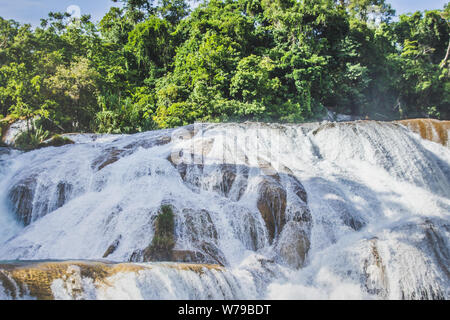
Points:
(326, 210)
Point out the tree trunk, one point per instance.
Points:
(446, 56)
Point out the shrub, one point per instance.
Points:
(56, 141)
(29, 140)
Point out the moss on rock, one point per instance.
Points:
(163, 240)
(56, 141)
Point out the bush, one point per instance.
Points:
(29, 140)
(35, 139)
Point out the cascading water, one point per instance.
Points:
(333, 210)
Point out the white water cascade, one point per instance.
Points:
(356, 210)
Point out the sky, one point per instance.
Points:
(31, 11)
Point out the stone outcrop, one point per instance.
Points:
(228, 180)
(149, 143)
(21, 197)
(56, 141)
(294, 243)
(36, 279)
(27, 207)
(271, 204)
(63, 193)
(112, 248)
(430, 129)
(108, 157)
(173, 232)
(374, 269)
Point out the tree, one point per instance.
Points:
(75, 93)
(155, 64)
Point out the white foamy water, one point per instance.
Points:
(375, 224)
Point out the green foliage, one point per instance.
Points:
(154, 64)
(423, 83)
(164, 237)
(57, 141)
(31, 139)
(36, 138)
(149, 42)
(74, 89)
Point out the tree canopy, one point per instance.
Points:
(156, 64)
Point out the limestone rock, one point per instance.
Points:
(149, 143)
(271, 204)
(28, 207)
(192, 238)
(112, 247)
(21, 198)
(430, 129)
(376, 280)
(293, 244)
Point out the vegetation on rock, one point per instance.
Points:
(31, 139)
(164, 239)
(37, 138)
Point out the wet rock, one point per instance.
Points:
(109, 156)
(293, 244)
(298, 188)
(232, 180)
(36, 279)
(64, 191)
(228, 173)
(31, 200)
(189, 236)
(376, 280)
(4, 150)
(190, 164)
(186, 132)
(197, 229)
(437, 244)
(197, 225)
(213, 254)
(254, 232)
(189, 172)
(10, 288)
(353, 222)
(21, 197)
(248, 228)
(347, 214)
(419, 277)
(112, 248)
(149, 143)
(11, 129)
(136, 256)
(187, 256)
(192, 175)
(328, 125)
(430, 129)
(228, 180)
(271, 204)
(163, 240)
(56, 141)
(267, 169)
(209, 254)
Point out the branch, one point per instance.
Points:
(446, 56)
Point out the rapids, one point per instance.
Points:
(352, 210)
